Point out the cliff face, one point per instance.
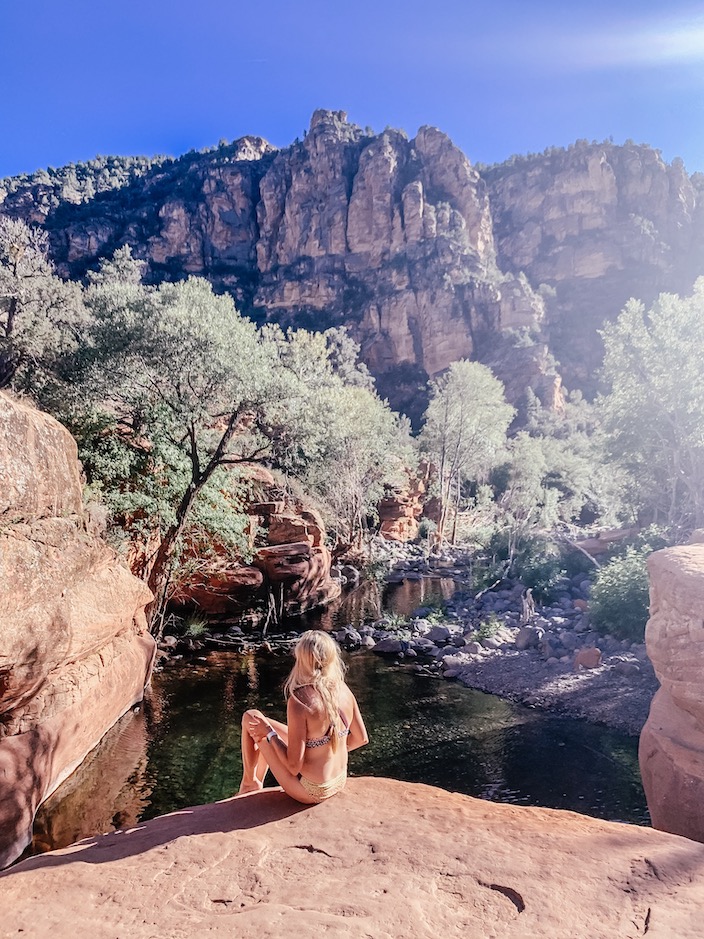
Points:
(598, 224)
(74, 650)
(424, 258)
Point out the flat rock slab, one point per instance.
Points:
(383, 860)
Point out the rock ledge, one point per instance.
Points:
(385, 859)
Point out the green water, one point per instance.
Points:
(182, 747)
(421, 730)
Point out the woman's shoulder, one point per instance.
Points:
(306, 697)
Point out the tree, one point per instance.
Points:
(41, 316)
(464, 428)
(367, 448)
(654, 410)
(186, 380)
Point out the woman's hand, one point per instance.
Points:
(258, 728)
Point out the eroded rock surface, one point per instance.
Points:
(383, 859)
(74, 650)
(290, 564)
(672, 742)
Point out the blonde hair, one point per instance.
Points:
(319, 665)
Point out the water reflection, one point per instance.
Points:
(184, 747)
(369, 599)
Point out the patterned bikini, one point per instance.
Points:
(319, 792)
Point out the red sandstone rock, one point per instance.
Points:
(400, 510)
(294, 559)
(589, 657)
(671, 749)
(383, 859)
(74, 651)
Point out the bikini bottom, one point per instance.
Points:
(319, 792)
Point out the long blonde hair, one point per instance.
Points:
(319, 664)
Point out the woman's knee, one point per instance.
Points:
(250, 715)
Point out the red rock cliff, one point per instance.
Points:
(74, 650)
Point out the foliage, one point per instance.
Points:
(620, 596)
(41, 316)
(538, 563)
(488, 627)
(654, 409)
(465, 428)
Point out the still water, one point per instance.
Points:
(183, 746)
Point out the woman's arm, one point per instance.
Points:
(357, 736)
(292, 754)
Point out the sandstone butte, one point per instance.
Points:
(383, 860)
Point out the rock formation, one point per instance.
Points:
(672, 742)
(383, 859)
(290, 567)
(424, 257)
(74, 651)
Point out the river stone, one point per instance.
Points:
(451, 673)
(474, 647)
(388, 646)
(439, 633)
(491, 642)
(627, 669)
(528, 637)
(367, 642)
(421, 644)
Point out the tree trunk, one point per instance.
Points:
(161, 569)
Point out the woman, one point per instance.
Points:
(308, 754)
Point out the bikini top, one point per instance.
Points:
(325, 739)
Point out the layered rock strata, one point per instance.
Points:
(671, 749)
(74, 649)
(382, 859)
(426, 258)
(290, 566)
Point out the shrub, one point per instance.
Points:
(619, 598)
(426, 527)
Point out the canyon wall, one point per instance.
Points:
(424, 257)
(74, 649)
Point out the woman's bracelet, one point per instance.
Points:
(270, 736)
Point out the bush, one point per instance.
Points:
(538, 563)
(620, 597)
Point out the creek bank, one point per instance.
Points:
(548, 657)
(480, 642)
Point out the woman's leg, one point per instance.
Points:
(254, 765)
(269, 754)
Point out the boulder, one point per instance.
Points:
(382, 859)
(528, 637)
(588, 657)
(671, 751)
(75, 653)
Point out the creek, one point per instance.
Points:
(183, 746)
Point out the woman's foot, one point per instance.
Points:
(247, 786)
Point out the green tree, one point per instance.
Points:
(41, 316)
(464, 429)
(654, 410)
(185, 381)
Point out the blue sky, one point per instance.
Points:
(81, 77)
